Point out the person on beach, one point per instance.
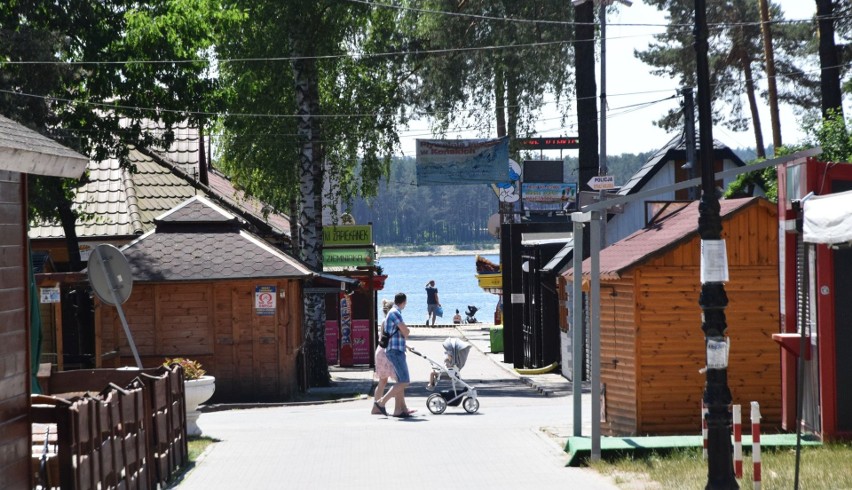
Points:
(457, 318)
(395, 351)
(432, 302)
(384, 369)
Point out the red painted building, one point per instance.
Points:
(816, 298)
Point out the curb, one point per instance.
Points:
(222, 407)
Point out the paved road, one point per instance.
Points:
(505, 445)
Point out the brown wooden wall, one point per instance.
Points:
(669, 342)
(14, 353)
(252, 357)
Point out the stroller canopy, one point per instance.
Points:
(458, 349)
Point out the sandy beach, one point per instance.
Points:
(438, 250)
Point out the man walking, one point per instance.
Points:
(432, 302)
(395, 351)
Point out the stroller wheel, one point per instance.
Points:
(471, 405)
(436, 403)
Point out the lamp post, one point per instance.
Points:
(713, 300)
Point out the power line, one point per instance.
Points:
(573, 23)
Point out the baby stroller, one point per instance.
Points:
(461, 392)
(469, 314)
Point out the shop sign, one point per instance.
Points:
(350, 235)
(348, 257)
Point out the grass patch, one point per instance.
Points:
(822, 467)
(197, 445)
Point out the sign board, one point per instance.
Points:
(545, 198)
(49, 295)
(264, 300)
(348, 257)
(461, 162)
(602, 182)
(347, 236)
(360, 335)
(559, 143)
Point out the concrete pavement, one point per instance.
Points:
(509, 443)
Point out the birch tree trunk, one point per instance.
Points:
(310, 211)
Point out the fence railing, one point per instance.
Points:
(114, 428)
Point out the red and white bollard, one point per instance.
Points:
(755, 445)
(704, 412)
(738, 441)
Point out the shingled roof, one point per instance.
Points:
(198, 240)
(656, 239)
(118, 202)
(675, 149)
(26, 151)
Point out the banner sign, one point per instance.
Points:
(264, 300)
(545, 198)
(336, 236)
(49, 295)
(332, 335)
(348, 257)
(361, 341)
(558, 143)
(461, 162)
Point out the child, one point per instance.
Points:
(457, 318)
(435, 375)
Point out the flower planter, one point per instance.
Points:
(198, 391)
(379, 282)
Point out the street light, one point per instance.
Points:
(713, 300)
(598, 238)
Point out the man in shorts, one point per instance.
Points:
(432, 302)
(395, 352)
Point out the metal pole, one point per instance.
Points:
(713, 300)
(689, 128)
(602, 166)
(594, 333)
(577, 327)
(108, 274)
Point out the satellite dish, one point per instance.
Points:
(110, 277)
(494, 225)
(109, 274)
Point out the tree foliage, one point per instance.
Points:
(474, 82)
(66, 72)
(736, 57)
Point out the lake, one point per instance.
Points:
(455, 278)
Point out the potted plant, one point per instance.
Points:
(380, 278)
(198, 388)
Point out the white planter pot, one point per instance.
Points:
(197, 391)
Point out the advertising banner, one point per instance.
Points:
(543, 198)
(332, 337)
(361, 341)
(461, 162)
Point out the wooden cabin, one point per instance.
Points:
(652, 345)
(22, 152)
(206, 289)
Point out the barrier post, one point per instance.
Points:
(704, 427)
(738, 441)
(755, 445)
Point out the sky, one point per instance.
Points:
(634, 132)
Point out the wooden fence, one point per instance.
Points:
(131, 437)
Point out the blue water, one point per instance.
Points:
(455, 278)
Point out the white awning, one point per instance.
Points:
(828, 219)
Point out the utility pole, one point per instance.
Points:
(689, 130)
(602, 167)
(713, 300)
(769, 55)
